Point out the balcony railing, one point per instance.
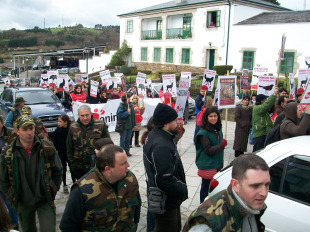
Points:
(151, 34)
(179, 33)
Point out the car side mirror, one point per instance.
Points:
(8, 104)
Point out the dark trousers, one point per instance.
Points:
(78, 173)
(197, 128)
(150, 221)
(170, 221)
(238, 153)
(259, 143)
(64, 163)
(204, 189)
(136, 133)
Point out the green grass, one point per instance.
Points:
(92, 30)
(56, 30)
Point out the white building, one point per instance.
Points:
(193, 35)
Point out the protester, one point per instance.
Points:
(199, 102)
(32, 180)
(120, 91)
(78, 95)
(164, 167)
(243, 118)
(103, 97)
(81, 138)
(111, 202)
(282, 92)
(90, 99)
(126, 114)
(139, 111)
(241, 205)
(60, 138)
(281, 102)
(15, 112)
(208, 103)
(291, 126)
(243, 94)
(65, 98)
(114, 94)
(186, 110)
(300, 92)
(100, 143)
(261, 121)
(133, 90)
(210, 147)
(149, 93)
(253, 98)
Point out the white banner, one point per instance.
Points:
(257, 72)
(107, 111)
(119, 78)
(182, 96)
(105, 76)
(303, 76)
(187, 75)
(227, 92)
(169, 83)
(266, 85)
(93, 88)
(292, 86)
(208, 79)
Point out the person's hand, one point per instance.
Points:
(203, 99)
(276, 90)
(224, 143)
(307, 110)
(129, 110)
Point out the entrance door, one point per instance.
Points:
(210, 54)
(129, 58)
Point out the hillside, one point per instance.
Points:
(40, 40)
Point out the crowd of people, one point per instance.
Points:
(105, 194)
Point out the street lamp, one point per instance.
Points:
(86, 50)
(27, 66)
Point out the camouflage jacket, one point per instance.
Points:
(47, 155)
(39, 130)
(16, 114)
(7, 133)
(221, 212)
(80, 142)
(105, 209)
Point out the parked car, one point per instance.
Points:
(44, 105)
(288, 200)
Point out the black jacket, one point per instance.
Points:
(164, 167)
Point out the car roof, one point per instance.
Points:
(27, 88)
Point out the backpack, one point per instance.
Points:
(274, 134)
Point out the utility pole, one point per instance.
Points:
(44, 24)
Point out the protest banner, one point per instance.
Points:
(107, 111)
(227, 92)
(52, 78)
(257, 72)
(105, 76)
(6, 81)
(208, 79)
(70, 82)
(292, 86)
(78, 79)
(245, 83)
(169, 84)
(182, 97)
(93, 88)
(140, 83)
(62, 82)
(119, 77)
(112, 84)
(187, 75)
(149, 84)
(305, 98)
(44, 79)
(245, 73)
(141, 75)
(84, 78)
(303, 77)
(266, 85)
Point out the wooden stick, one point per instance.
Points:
(226, 116)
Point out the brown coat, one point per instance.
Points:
(243, 118)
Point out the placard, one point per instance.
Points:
(208, 79)
(292, 86)
(119, 77)
(169, 84)
(44, 79)
(303, 76)
(52, 78)
(182, 96)
(245, 83)
(78, 79)
(141, 75)
(112, 83)
(306, 97)
(257, 72)
(84, 78)
(105, 76)
(227, 92)
(149, 84)
(245, 73)
(6, 81)
(62, 82)
(93, 88)
(187, 75)
(266, 85)
(140, 83)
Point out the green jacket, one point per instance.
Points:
(222, 213)
(80, 142)
(129, 120)
(261, 121)
(105, 209)
(203, 160)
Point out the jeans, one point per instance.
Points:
(204, 189)
(125, 139)
(251, 135)
(150, 221)
(259, 143)
(12, 213)
(170, 221)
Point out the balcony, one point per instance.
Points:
(179, 33)
(151, 35)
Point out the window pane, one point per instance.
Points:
(143, 54)
(276, 172)
(169, 55)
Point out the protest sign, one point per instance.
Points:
(52, 78)
(245, 73)
(118, 77)
(306, 97)
(303, 77)
(141, 75)
(292, 86)
(44, 79)
(124, 86)
(105, 76)
(112, 84)
(266, 85)
(187, 75)
(140, 82)
(169, 84)
(216, 98)
(70, 82)
(227, 92)
(62, 82)
(257, 72)
(93, 88)
(149, 84)
(182, 96)
(245, 83)
(78, 79)
(84, 78)
(208, 79)
(6, 81)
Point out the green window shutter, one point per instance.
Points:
(248, 60)
(143, 54)
(185, 56)
(169, 55)
(157, 54)
(218, 18)
(129, 26)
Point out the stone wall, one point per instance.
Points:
(167, 67)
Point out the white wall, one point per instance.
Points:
(96, 63)
(175, 21)
(244, 12)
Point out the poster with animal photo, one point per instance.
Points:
(93, 88)
(78, 79)
(306, 97)
(187, 75)
(52, 78)
(70, 82)
(62, 82)
(112, 83)
(245, 72)
(141, 75)
(182, 96)
(84, 78)
(169, 84)
(303, 76)
(227, 92)
(140, 83)
(292, 86)
(6, 81)
(105, 76)
(208, 79)
(307, 61)
(216, 97)
(266, 85)
(245, 83)
(149, 84)
(44, 80)
(119, 77)
(257, 72)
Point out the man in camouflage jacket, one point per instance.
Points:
(105, 199)
(241, 205)
(81, 138)
(30, 175)
(14, 112)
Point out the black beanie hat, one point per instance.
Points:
(164, 114)
(260, 97)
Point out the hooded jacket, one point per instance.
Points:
(289, 128)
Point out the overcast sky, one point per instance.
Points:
(25, 14)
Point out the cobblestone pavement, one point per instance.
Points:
(186, 149)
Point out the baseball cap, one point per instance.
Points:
(24, 120)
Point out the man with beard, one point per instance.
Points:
(164, 168)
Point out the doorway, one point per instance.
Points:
(210, 55)
(129, 58)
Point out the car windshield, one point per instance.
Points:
(35, 97)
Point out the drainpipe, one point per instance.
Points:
(229, 3)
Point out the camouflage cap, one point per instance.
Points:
(24, 120)
(19, 100)
(27, 110)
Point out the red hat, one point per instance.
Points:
(300, 91)
(167, 95)
(204, 87)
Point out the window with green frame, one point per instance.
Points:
(248, 60)
(143, 54)
(287, 65)
(187, 23)
(159, 26)
(185, 55)
(169, 55)
(157, 53)
(214, 18)
(129, 26)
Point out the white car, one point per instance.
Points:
(288, 200)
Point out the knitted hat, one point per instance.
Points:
(24, 120)
(164, 114)
(260, 97)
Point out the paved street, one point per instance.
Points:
(186, 148)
